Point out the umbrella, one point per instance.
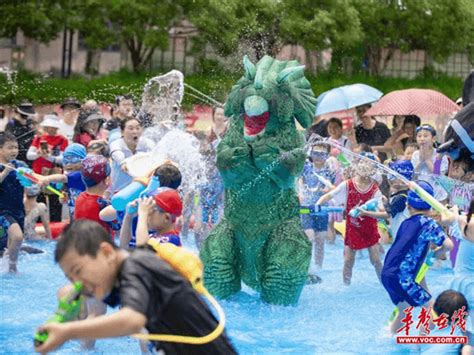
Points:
(419, 102)
(346, 97)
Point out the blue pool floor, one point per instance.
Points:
(330, 317)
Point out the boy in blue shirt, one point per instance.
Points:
(409, 249)
(12, 209)
(73, 156)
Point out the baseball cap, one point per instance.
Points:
(94, 170)
(170, 202)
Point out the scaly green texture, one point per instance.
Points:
(259, 240)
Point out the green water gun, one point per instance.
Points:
(69, 308)
(343, 160)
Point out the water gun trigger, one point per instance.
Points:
(68, 309)
(153, 184)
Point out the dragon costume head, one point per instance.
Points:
(270, 95)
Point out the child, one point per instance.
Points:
(46, 150)
(425, 160)
(312, 188)
(12, 209)
(98, 147)
(463, 280)
(158, 214)
(87, 127)
(405, 257)
(361, 232)
(409, 150)
(95, 171)
(151, 294)
(33, 211)
(448, 303)
(396, 208)
(169, 176)
(72, 159)
(335, 133)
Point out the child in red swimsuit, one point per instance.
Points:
(361, 231)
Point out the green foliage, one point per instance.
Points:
(266, 25)
(43, 90)
(320, 24)
(226, 23)
(440, 27)
(41, 20)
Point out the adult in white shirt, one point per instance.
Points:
(69, 113)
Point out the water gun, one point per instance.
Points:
(343, 160)
(454, 228)
(138, 188)
(190, 267)
(430, 258)
(320, 210)
(370, 205)
(69, 308)
(26, 178)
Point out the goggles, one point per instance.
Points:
(69, 160)
(426, 127)
(319, 155)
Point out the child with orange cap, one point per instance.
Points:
(158, 214)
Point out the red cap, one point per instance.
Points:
(170, 202)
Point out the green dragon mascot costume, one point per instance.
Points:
(259, 240)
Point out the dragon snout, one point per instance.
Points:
(256, 116)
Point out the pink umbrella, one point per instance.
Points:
(419, 102)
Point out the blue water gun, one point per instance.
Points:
(319, 210)
(370, 205)
(153, 185)
(138, 188)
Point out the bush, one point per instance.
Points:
(41, 89)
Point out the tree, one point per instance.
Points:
(142, 26)
(414, 24)
(227, 23)
(266, 25)
(40, 20)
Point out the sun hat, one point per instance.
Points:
(50, 121)
(94, 117)
(26, 109)
(70, 101)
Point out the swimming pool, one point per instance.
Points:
(329, 318)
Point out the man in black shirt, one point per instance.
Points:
(151, 294)
(370, 131)
(21, 126)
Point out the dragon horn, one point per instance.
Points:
(249, 68)
(285, 73)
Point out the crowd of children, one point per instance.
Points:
(150, 292)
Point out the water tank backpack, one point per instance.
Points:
(190, 267)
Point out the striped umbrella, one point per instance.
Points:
(419, 102)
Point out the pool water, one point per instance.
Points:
(329, 318)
